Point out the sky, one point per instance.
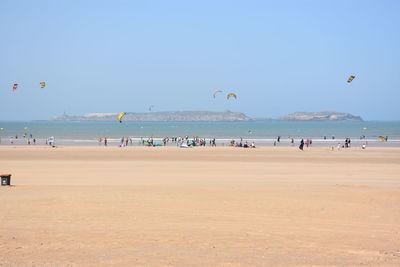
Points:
(277, 56)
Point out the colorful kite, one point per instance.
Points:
(120, 115)
(351, 78)
(231, 95)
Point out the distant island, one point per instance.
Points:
(320, 116)
(160, 116)
(208, 116)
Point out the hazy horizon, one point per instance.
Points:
(166, 111)
(278, 57)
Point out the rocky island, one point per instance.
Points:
(160, 116)
(208, 116)
(320, 116)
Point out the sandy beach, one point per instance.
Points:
(203, 206)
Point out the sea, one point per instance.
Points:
(263, 133)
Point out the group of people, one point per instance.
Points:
(178, 141)
(195, 141)
(103, 140)
(244, 144)
(307, 143)
(29, 139)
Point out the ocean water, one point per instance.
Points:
(262, 132)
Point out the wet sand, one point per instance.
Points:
(165, 206)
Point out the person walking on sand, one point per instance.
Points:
(105, 141)
(301, 146)
(213, 142)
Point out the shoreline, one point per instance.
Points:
(260, 142)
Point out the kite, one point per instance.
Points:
(15, 86)
(231, 95)
(120, 115)
(42, 84)
(351, 78)
(216, 92)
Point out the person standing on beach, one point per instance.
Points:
(51, 141)
(279, 139)
(301, 146)
(213, 142)
(105, 141)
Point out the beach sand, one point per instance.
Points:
(165, 206)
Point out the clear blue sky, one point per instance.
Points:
(277, 56)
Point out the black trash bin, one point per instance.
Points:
(5, 179)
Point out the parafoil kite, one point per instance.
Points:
(120, 115)
(231, 95)
(216, 92)
(15, 86)
(351, 78)
(42, 84)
